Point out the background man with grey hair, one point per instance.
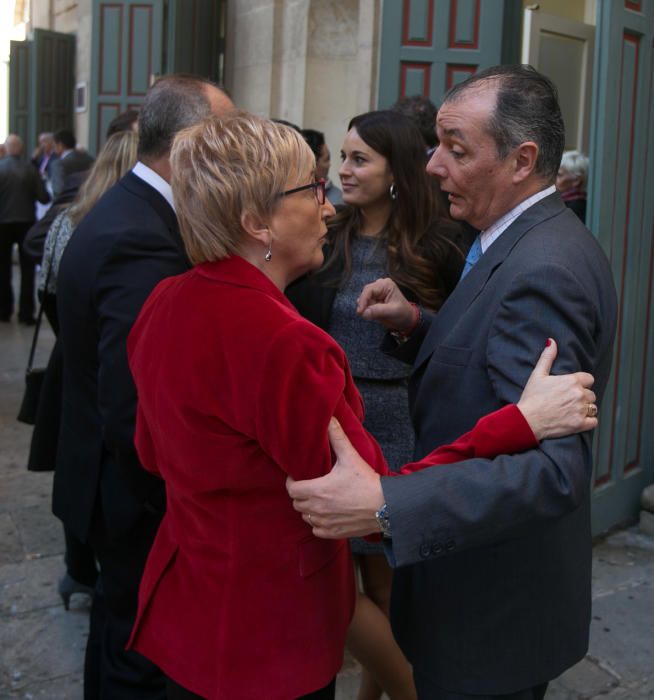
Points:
(492, 599)
(119, 252)
(20, 188)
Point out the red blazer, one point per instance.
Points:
(238, 599)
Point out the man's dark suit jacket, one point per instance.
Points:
(73, 162)
(20, 187)
(126, 244)
(494, 591)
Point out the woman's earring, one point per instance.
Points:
(268, 256)
(392, 191)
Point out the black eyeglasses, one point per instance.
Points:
(318, 187)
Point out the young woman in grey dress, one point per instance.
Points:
(393, 224)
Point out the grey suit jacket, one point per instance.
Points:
(74, 162)
(494, 593)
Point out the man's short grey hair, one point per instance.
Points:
(576, 163)
(173, 103)
(526, 109)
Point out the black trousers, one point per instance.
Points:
(111, 672)
(535, 693)
(10, 234)
(176, 692)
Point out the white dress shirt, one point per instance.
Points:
(154, 180)
(494, 231)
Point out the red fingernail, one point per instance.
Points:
(548, 342)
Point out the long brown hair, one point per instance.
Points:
(419, 232)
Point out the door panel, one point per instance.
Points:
(564, 51)
(19, 90)
(196, 38)
(41, 77)
(429, 45)
(621, 211)
(128, 51)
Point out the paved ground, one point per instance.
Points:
(41, 645)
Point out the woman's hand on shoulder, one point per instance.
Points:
(383, 301)
(557, 405)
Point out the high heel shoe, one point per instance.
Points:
(68, 585)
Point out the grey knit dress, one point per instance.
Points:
(381, 379)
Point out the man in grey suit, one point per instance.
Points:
(491, 596)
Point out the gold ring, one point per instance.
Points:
(591, 410)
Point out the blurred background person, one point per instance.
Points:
(571, 181)
(422, 112)
(35, 237)
(70, 160)
(44, 154)
(21, 187)
(125, 121)
(316, 141)
(393, 224)
(115, 159)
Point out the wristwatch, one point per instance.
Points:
(384, 521)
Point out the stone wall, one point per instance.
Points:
(311, 62)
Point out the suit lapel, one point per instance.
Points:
(472, 285)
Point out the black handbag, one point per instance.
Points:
(33, 375)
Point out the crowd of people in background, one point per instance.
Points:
(228, 320)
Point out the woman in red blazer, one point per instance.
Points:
(239, 601)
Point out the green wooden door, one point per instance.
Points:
(621, 211)
(41, 80)
(429, 45)
(127, 55)
(20, 53)
(196, 38)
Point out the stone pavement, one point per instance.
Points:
(41, 645)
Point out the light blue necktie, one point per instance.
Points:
(473, 256)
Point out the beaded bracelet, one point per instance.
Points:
(403, 336)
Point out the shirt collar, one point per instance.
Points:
(155, 180)
(493, 232)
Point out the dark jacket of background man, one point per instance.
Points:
(20, 188)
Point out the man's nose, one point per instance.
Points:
(435, 166)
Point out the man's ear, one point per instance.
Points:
(255, 227)
(525, 161)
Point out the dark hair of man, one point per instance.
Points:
(527, 109)
(288, 124)
(123, 122)
(422, 112)
(315, 139)
(419, 231)
(66, 138)
(173, 103)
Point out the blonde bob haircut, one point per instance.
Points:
(228, 166)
